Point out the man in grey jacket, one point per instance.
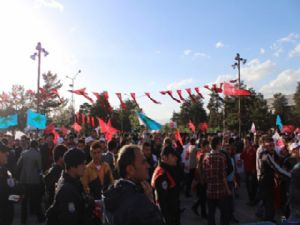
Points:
(30, 167)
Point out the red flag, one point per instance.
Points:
(97, 95)
(76, 127)
(133, 96)
(123, 105)
(55, 93)
(88, 120)
(230, 90)
(192, 126)
(44, 93)
(207, 87)
(152, 99)
(179, 92)
(198, 92)
(30, 92)
(83, 93)
(50, 129)
(203, 126)
(77, 117)
(178, 137)
(171, 95)
(297, 131)
(105, 95)
(233, 81)
(288, 128)
(189, 91)
(107, 129)
(217, 89)
(93, 121)
(64, 130)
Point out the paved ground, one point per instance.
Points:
(243, 212)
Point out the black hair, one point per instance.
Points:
(146, 144)
(205, 143)
(73, 158)
(34, 144)
(215, 142)
(192, 141)
(111, 145)
(126, 157)
(58, 152)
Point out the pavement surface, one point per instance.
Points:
(244, 213)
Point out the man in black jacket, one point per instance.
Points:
(54, 172)
(129, 201)
(69, 205)
(6, 187)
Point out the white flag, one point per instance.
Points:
(253, 130)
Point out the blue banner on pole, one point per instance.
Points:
(36, 120)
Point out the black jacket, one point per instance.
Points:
(51, 179)
(126, 204)
(6, 189)
(70, 206)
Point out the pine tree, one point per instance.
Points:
(215, 116)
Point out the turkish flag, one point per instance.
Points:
(230, 90)
(203, 126)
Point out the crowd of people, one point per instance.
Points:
(136, 179)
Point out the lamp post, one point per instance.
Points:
(37, 54)
(72, 86)
(237, 65)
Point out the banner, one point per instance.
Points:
(36, 120)
(149, 123)
(8, 121)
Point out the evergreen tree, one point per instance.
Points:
(215, 116)
(280, 106)
(297, 105)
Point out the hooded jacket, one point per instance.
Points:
(126, 204)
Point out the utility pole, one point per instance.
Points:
(237, 64)
(72, 86)
(33, 57)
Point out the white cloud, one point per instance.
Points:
(285, 83)
(179, 84)
(278, 52)
(187, 51)
(256, 70)
(262, 51)
(157, 52)
(292, 37)
(51, 4)
(201, 54)
(219, 44)
(295, 51)
(224, 78)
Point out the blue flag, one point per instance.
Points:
(149, 123)
(278, 122)
(9, 121)
(36, 120)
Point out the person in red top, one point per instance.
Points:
(249, 158)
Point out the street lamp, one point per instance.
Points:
(38, 52)
(237, 65)
(72, 86)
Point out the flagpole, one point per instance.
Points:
(33, 56)
(72, 96)
(238, 65)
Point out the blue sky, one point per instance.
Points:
(138, 45)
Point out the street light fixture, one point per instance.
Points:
(33, 57)
(237, 65)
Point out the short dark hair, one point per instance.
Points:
(34, 144)
(267, 138)
(81, 141)
(126, 157)
(112, 145)
(192, 141)
(205, 143)
(95, 145)
(146, 144)
(215, 142)
(74, 158)
(59, 151)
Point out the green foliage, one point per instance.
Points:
(297, 105)
(190, 111)
(215, 107)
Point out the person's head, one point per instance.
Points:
(112, 146)
(34, 144)
(215, 143)
(231, 141)
(94, 134)
(268, 143)
(102, 143)
(81, 144)
(50, 138)
(205, 145)
(247, 141)
(294, 149)
(17, 143)
(58, 154)
(96, 152)
(74, 163)
(147, 150)
(167, 142)
(132, 164)
(169, 156)
(192, 141)
(3, 154)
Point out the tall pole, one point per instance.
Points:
(38, 52)
(72, 86)
(237, 64)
